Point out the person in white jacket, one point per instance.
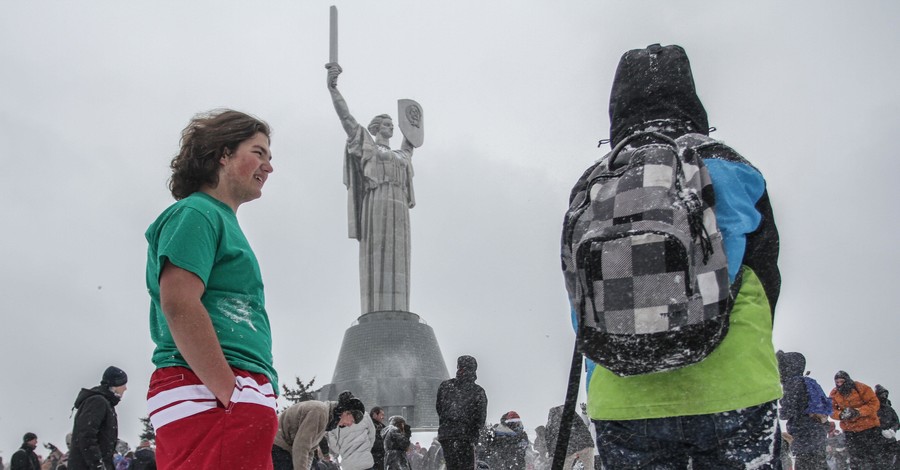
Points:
(353, 444)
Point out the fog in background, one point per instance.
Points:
(94, 95)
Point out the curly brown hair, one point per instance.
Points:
(204, 141)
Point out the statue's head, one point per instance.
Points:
(382, 125)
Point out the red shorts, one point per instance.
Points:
(194, 430)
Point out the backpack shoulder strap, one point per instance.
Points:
(565, 425)
(581, 184)
(707, 147)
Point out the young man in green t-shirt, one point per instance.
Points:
(207, 311)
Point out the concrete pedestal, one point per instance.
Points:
(392, 360)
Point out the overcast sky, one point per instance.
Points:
(94, 95)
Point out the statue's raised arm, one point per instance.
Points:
(340, 105)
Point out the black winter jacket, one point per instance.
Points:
(378, 446)
(579, 437)
(887, 416)
(96, 430)
(508, 444)
(144, 459)
(461, 407)
(809, 434)
(24, 459)
(396, 441)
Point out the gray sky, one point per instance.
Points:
(94, 95)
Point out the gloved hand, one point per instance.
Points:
(849, 413)
(888, 433)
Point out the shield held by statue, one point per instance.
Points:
(411, 121)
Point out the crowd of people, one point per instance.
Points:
(339, 434)
(94, 441)
(868, 423)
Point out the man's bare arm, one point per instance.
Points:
(179, 294)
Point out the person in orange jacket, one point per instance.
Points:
(856, 407)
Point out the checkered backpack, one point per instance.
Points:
(643, 257)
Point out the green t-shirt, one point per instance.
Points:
(201, 234)
(741, 372)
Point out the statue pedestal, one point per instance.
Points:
(391, 359)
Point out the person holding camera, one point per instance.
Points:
(856, 407)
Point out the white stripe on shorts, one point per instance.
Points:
(188, 400)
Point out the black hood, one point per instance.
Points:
(882, 394)
(654, 88)
(849, 384)
(85, 393)
(790, 364)
(466, 367)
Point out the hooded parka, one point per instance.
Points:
(96, 430)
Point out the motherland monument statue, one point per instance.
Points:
(389, 357)
(379, 182)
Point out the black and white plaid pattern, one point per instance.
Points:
(631, 262)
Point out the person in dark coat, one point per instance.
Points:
(25, 458)
(581, 444)
(889, 457)
(721, 412)
(96, 429)
(508, 443)
(377, 415)
(434, 458)
(144, 457)
(808, 432)
(542, 457)
(462, 409)
(396, 440)
(838, 457)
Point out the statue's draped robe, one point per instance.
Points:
(380, 194)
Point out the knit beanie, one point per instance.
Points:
(29, 436)
(511, 416)
(114, 377)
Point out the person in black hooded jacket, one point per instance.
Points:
(889, 457)
(722, 411)
(808, 432)
(96, 428)
(462, 410)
